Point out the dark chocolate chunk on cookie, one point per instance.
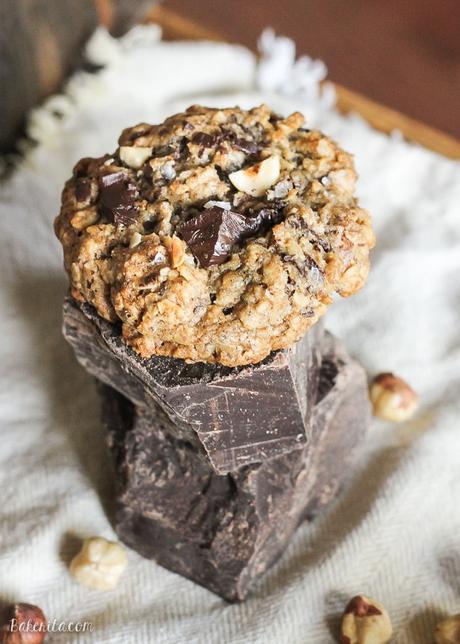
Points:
(211, 234)
(117, 196)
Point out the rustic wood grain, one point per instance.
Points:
(379, 116)
(400, 53)
(387, 120)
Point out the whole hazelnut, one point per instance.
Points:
(25, 624)
(365, 621)
(392, 398)
(448, 631)
(99, 564)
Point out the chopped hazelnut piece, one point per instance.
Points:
(99, 564)
(448, 631)
(365, 621)
(392, 398)
(256, 179)
(134, 157)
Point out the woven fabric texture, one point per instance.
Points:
(394, 534)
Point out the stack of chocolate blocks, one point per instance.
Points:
(216, 466)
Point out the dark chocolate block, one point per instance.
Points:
(232, 416)
(224, 531)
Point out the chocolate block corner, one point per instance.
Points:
(224, 531)
(232, 416)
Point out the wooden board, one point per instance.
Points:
(383, 118)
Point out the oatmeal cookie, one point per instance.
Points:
(218, 236)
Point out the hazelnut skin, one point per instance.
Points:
(392, 398)
(365, 621)
(25, 624)
(448, 631)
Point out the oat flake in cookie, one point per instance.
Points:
(217, 236)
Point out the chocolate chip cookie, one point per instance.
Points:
(218, 236)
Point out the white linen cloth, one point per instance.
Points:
(394, 534)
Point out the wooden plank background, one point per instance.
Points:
(179, 25)
(400, 53)
(41, 40)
